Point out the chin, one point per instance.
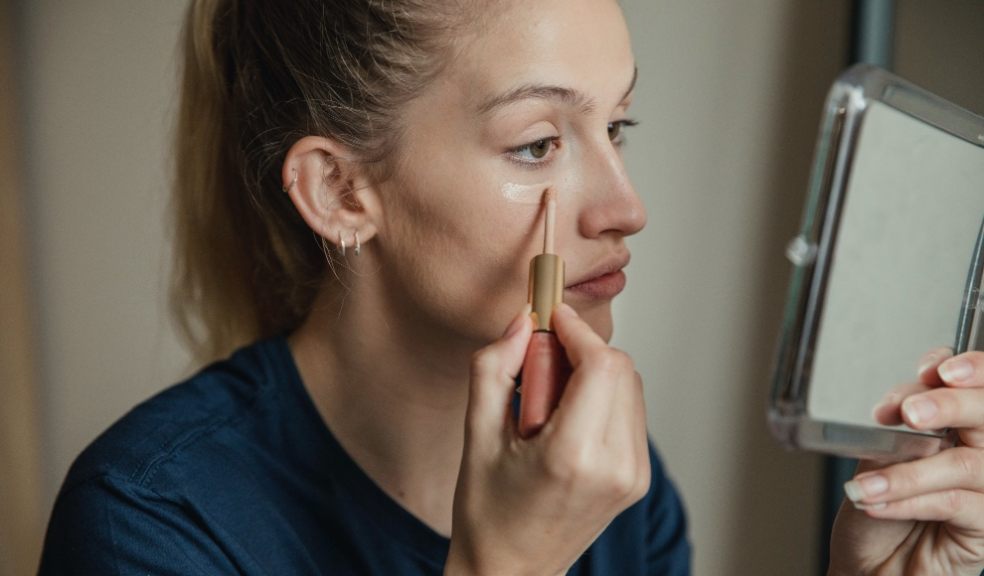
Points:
(599, 317)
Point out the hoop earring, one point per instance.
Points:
(358, 245)
(341, 243)
(293, 181)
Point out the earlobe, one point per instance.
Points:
(329, 190)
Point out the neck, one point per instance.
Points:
(393, 392)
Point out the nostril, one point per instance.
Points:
(621, 213)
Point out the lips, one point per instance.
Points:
(604, 282)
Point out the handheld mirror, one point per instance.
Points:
(887, 265)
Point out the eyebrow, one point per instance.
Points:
(568, 96)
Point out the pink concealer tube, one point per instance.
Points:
(545, 369)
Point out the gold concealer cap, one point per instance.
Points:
(546, 288)
(546, 270)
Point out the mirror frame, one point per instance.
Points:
(811, 254)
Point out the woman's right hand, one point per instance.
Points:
(534, 506)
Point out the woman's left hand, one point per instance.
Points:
(925, 516)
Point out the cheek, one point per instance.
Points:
(459, 264)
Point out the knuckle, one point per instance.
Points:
(958, 408)
(951, 501)
(482, 363)
(605, 363)
(625, 361)
(614, 362)
(620, 476)
(623, 483)
(568, 463)
(629, 479)
(642, 486)
(904, 478)
(948, 403)
(968, 462)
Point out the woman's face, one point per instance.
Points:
(537, 98)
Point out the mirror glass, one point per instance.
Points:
(908, 230)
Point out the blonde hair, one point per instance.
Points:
(257, 76)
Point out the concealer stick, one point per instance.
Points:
(545, 369)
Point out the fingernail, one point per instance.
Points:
(889, 400)
(919, 410)
(865, 487)
(956, 370)
(875, 506)
(927, 363)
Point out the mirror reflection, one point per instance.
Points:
(908, 229)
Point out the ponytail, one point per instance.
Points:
(216, 296)
(257, 75)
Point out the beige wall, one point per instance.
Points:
(729, 96)
(98, 79)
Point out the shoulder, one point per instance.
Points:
(136, 499)
(223, 395)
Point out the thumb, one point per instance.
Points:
(493, 377)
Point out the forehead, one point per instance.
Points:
(583, 44)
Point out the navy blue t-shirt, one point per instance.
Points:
(235, 472)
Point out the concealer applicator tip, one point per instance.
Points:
(550, 218)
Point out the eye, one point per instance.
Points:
(534, 152)
(615, 130)
(539, 149)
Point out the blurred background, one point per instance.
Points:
(729, 97)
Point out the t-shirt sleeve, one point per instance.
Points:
(108, 526)
(667, 547)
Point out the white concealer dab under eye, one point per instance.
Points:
(523, 193)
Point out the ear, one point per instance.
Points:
(331, 190)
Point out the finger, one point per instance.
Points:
(930, 362)
(586, 404)
(964, 370)
(888, 411)
(959, 468)
(961, 509)
(575, 335)
(622, 450)
(493, 377)
(623, 425)
(641, 436)
(945, 408)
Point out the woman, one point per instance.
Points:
(358, 190)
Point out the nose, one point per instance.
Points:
(611, 205)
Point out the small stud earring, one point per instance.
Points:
(358, 245)
(341, 243)
(292, 182)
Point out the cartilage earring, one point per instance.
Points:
(341, 243)
(358, 245)
(291, 185)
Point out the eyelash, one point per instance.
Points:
(514, 154)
